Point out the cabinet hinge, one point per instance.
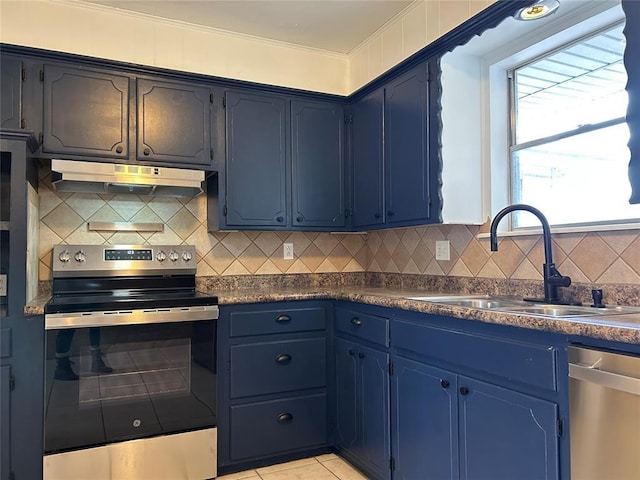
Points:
(392, 463)
(390, 368)
(560, 427)
(224, 210)
(23, 74)
(12, 476)
(348, 119)
(23, 124)
(211, 153)
(40, 138)
(347, 212)
(42, 75)
(224, 102)
(12, 383)
(211, 98)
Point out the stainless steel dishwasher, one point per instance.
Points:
(604, 410)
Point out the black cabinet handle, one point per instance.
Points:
(283, 318)
(352, 352)
(360, 355)
(146, 151)
(299, 219)
(390, 213)
(279, 219)
(285, 417)
(283, 358)
(444, 383)
(464, 391)
(376, 215)
(356, 321)
(119, 149)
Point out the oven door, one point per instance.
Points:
(108, 384)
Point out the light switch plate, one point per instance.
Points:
(443, 250)
(3, 285)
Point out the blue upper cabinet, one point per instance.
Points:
(10, 102)
(394, 174)
(85, 112)
(406, 148)
(631, 54)
(174, 122)
(367, 161)
(256, 169)
(317, 157)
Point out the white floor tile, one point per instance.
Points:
(314, 471)
(286, 466)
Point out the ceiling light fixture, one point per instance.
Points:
(541, 8)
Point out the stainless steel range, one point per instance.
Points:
(130, 365)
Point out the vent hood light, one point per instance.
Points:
(95, 177)
(540, 9)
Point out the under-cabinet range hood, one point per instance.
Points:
(95, 177)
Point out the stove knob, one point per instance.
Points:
(173, 255)
(186, 255)
(80, 256)
(161, 256)
(64, 256)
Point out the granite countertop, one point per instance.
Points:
(620, 328)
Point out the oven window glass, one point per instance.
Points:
(117, 383)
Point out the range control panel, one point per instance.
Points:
(123, 259)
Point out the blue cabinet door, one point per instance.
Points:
(424, 419)
(317, 155)
(256, 176)
(174, 122)
(86, 112)
(346, 428)
(11, 91)
(5, 420)
(367, 148)
(375, 450)
(406, 147)
(505, 434)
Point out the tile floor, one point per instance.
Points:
(323, 467)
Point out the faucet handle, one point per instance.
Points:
(597, 298)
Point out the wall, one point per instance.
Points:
(68, 26)
(589, 257)
(64, 217)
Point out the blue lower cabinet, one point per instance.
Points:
(448, 426)
(424, 419)
(278, 426)
(506, 434)
(362, 430)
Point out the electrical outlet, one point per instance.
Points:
(442, 250)
(3, 285)
(288, 251)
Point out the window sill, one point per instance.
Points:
(614, 227)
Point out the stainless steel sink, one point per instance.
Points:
(512, 305)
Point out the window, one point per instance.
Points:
(569, 137)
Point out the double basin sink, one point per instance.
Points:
(534, 308)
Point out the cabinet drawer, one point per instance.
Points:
(261, 368)
(363, 325)
(277, 320)
(267, 428)
(510, 359)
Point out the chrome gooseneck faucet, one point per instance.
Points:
(552, 278)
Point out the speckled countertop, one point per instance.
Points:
(621, 328)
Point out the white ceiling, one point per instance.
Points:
(333, 25)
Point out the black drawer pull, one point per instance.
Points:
(279, 219)
(360, 355)
(283, 318)
(444, 383)
(352, 352)
(119, 149)
(146, 151)
(464, 391)
(285, 418)
(283, 358)
(356, 321)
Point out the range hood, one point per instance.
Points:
(95, 177)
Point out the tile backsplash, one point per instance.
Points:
(592, 258)
(64, 217)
